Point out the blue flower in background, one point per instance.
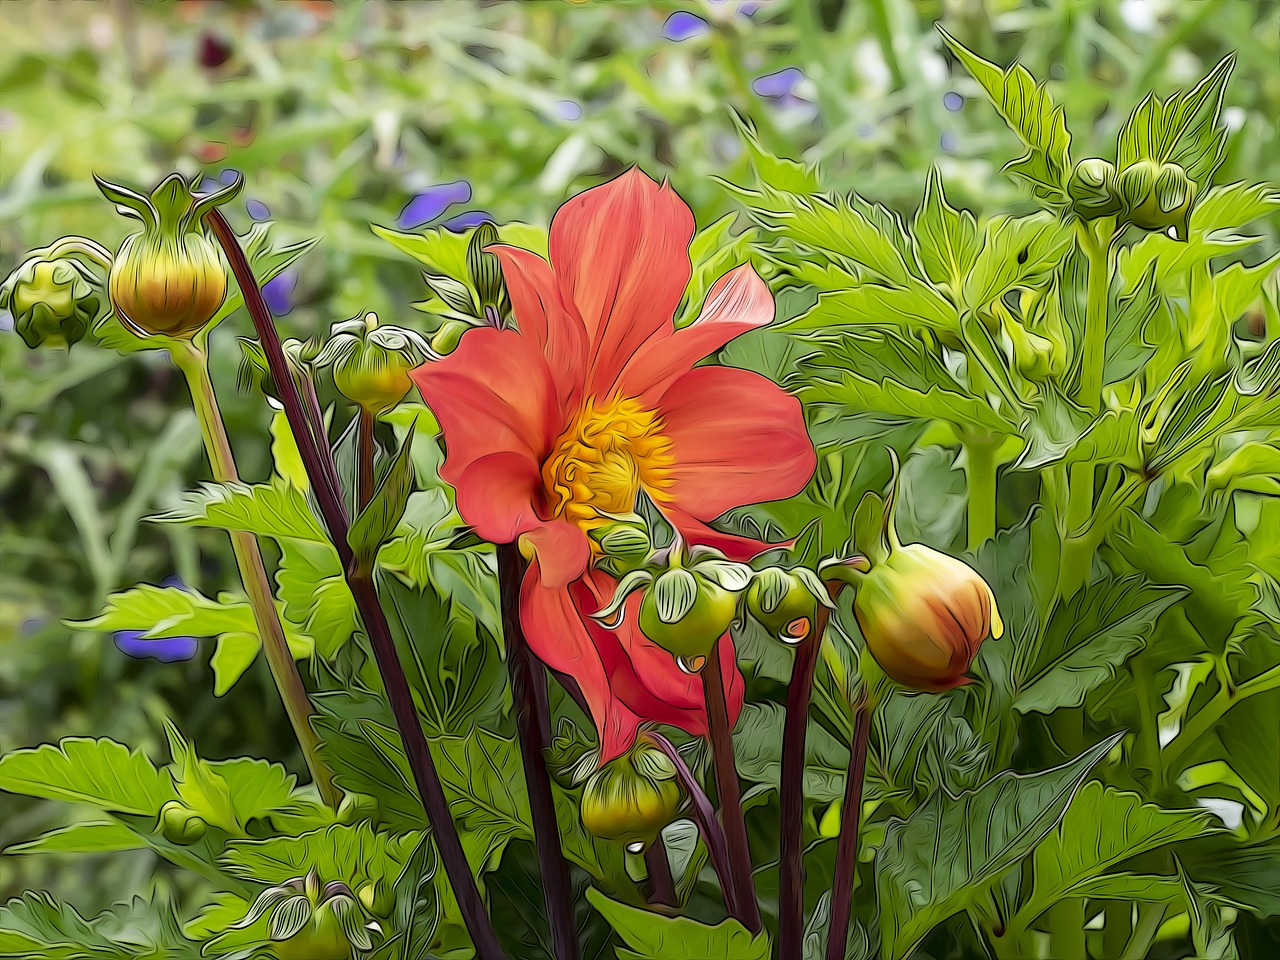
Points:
(228, 176)
(682, 25)
(257, 209)
(777, 86)
(431, 202)
(465, 221)
(953, 101)
(6, 321)
(948, 141)
(568, 110)
(278, 292)
(166, 650)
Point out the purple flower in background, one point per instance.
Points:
(166, 650)
(228, 176)
(208, 185)
(682, 25)
(776, 86)
(257, 209)
(953, 101)
(948, 141)
(568, 110)
(6, 321)
(278, 292)
(433, 201)
(465, 221)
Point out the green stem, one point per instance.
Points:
(193, 362)
(1066, 917)
(1093, 350)
(1150, 916)
(1117, 929)
(1215, 709)
(980, 456)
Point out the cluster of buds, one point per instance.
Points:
(481, 300)
(631, 798)
(371, 362)
(1148, 194)
(311, 921)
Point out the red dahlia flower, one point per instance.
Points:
(594, 398)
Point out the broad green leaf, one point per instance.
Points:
(1102, 828)
(856, 393)
(1132, 887)
(947, 237)
(1015, 252)
(1089, 638)
(110, 836)
(757, 745)
(908, 308)
(1253, 467)
(1232, 206)
(353, 853)
(315, 594)
(1029, 111)
(257, 787)
(99, 773)
(201, 788)
(1136, 330)
(1183, 129)
(277, 509)
(444, 252)
(944, 855)
(714, 251)
(1246, 873)
(378, 521)
(233, 655)
(651, 936)
(776, 172)
(285, 454)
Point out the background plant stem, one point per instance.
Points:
(731, 816)
(847, 846)
(532, 722)
(662, 887)
(791, 790)
(193, 362)
(980, 471)
(372, 617)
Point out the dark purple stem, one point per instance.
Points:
(372, 617)
(847, 846)
(662, 887)
(728, 791)
(791, 792)
(529, 694)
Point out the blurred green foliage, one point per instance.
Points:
(340, 115)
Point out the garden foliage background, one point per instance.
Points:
(410, 115)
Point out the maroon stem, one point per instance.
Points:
(791, 792)
(417, 751)
(529, 694)
(727, 789)
(704, 815)
(662, 887)
(315, 416)
(364, 475)
(847, 846)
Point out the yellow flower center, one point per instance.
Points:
(610, 452)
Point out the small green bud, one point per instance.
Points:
(783, 602)
(168, 279)
(1037, 357)
(685, 613)
(371, 363)
(623, 545)
(53, 300)
(486, 274)
(1091, 188)
(180, 824)
(446, 339)
(631, 798)
(1157, 196)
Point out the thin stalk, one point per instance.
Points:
(527, 675)
(193, 362)
(791, 797)
(1117, 927)
(315, 417)
(372, 617)
(1150, 916)
(364, 442)
(727, 789)
(847, 845)
(704, 815)
(662, 886)
(980, 457)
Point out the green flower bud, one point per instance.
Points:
(633, 797)
(622, 545)
(1091, 188)
(167, 280)
(378, 897)
(371, 363)
(1037, 357)
(923, 615)
(685, 613)
(784, 602)
(1157, 196)
(486, 275)
(180, 824)
(54, 300)
(446, 339)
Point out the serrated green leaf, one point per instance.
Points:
(1015, 252)
(109, 836)
(946, 853)
(99, 773)
(444, 252)
(855, 392)
(315, 594)
(1087, 640)
(285, 454)
(714, 251)
(651, 936)
(908, 308)
(947, 237)
(257, 787)
(278, 510)
(1030, 112)
(757, 744)
(1132, 887)
(352, 853)
(1102, 828)
(1183, 129)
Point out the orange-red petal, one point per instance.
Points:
(736, 438)
(620, 252)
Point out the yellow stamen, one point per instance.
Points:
(610, 452)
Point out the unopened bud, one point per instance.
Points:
(371, 363)
(1092, 189)
(1157, 196)
(632, 797)
(53, 300)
